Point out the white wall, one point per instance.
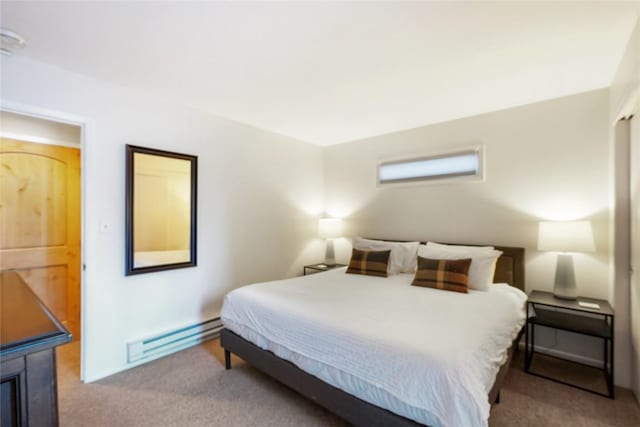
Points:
(544, 161)
(625, 87)
(258, 200)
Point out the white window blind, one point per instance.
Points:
(461, 164)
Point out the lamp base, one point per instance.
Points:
(565, 282)
(564, 297)
(329, 256)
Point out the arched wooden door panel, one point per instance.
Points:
(40, 223)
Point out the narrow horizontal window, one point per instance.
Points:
(460, 164)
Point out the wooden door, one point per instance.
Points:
(40, 223)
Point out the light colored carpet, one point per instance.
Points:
(192, 388)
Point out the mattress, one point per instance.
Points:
(426, 354)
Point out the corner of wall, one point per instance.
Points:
(625, 87)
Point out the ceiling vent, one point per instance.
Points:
(9, 41)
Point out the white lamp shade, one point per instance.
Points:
(330, 228)
(566, 236)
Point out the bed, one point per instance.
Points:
(355, 344)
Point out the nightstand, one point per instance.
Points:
(316, 268)
(544, 309)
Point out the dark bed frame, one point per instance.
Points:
(509, 269)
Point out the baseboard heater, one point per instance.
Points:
(172, 341)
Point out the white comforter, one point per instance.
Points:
(429, 355)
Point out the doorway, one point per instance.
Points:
(40, 214)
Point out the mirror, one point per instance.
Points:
(161, 210)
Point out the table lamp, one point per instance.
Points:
(330, 228)
(566, 238)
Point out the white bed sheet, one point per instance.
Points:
(426, 354)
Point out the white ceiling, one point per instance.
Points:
(332, 72)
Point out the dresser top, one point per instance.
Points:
(25, 322)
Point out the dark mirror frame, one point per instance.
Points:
(129, 253)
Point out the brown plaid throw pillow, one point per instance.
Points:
(447, 274)
(370, 263)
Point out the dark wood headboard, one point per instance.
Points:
(510, 266)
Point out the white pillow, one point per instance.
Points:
(403, 257)
(483, 262)
(462, 248)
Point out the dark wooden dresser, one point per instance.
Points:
(29, 334)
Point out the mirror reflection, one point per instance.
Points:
(162, 210)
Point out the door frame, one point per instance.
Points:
(629, 107)
(84, 124)
(634, 237)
